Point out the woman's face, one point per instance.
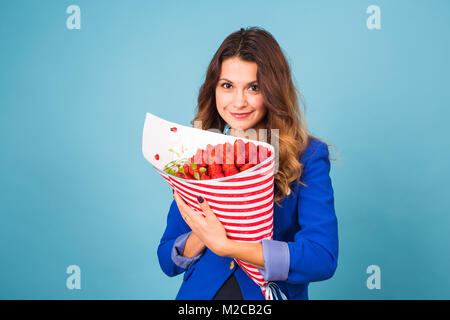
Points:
(238, 98)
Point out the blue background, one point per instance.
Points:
(76, 189)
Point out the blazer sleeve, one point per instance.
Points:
(175, 227)
(314, 251)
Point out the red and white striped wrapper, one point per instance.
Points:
(243, 202)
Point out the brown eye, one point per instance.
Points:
(224, 85)
(254, 87)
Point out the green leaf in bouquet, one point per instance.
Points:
(181, 169)
(194, 166)
(170, 164)
(196, 175)
(202, 169)
(171, 150)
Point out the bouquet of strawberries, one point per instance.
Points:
(235, 176)
(219, 161)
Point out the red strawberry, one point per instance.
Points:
(228, 153)
(202, 171)
(186, 167)
(199, 158)
(217, 176)
(204, 177)
(208, 155)
(199, 171)
(239, 153)
(263, 153)
(246, 166)
(179, 174)
(251, 153)
(187, 176)
(214, 169)
(218, 154)
(191, 166)
(229, 169)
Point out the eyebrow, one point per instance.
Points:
(254, 81)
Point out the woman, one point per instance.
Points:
(248, 85)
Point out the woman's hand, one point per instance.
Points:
(208, 229)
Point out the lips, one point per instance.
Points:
(240, 115)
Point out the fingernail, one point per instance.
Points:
(173, 191)
(200, 199)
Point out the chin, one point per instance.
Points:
(239, 126)
(242, 124)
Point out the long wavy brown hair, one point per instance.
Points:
(281, 99)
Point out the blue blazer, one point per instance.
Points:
(306, 221)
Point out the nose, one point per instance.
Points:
(240, 100)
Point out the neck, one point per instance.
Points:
(251, 133)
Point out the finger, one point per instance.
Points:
(204, 206)
(187, 212)
(182, 205)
